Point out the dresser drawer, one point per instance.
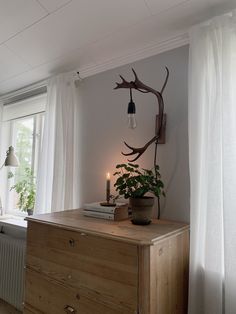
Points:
(50, 297)
(106, 271)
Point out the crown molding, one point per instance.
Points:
(25, 92)
(148, 51)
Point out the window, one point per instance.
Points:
(26, 138)
(23, 129)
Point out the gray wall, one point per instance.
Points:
(103, 128)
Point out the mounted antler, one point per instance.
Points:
(141, 87)
(138, 151)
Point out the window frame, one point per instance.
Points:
(34, 106)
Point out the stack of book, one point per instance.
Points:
(117, 212)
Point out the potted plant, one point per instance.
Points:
(134, 183)
(26, 189)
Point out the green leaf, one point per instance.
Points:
(129, 169)
(120, 166)
(160, 184)
(133, 165)
(119, 181)
(116, 173)
(126, 175)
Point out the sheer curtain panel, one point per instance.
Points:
(212, 138)
(1, 117)
(1, 156)
(58, 176)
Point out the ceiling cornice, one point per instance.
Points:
(150, 50)
(24, 92)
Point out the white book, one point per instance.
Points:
(89, 213)
(104, 209)
(121, 213)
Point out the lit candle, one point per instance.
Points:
(108, 187)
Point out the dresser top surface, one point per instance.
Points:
(120, 230)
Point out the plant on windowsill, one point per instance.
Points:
(26, 189)
(134, 183)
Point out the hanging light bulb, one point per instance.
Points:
(131, 113)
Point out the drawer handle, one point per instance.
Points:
(69, 309)
(72, 242)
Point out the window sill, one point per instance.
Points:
(12, 220)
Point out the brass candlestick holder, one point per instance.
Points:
(108, 193)
(108, 199)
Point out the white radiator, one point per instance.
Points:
(12, 261)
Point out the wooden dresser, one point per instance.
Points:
(91, 266)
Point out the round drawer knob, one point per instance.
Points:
(69, 309)
(72, 242)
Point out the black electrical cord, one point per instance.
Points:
(156, 175)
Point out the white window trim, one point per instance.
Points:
(18, 110)
(24, 108)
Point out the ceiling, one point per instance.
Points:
(40, 38)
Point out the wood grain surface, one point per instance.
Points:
(122, 230)
(85, 265)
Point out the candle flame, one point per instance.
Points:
(108, 175)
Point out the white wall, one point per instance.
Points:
(103, 128)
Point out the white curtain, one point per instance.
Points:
(212, 141)
(1, 116)
(1, 155)
(58, 177)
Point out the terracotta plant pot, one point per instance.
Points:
(141, 210)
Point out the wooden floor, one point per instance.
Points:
(7, 309)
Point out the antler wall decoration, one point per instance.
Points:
(160, 121)
(141, 87)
